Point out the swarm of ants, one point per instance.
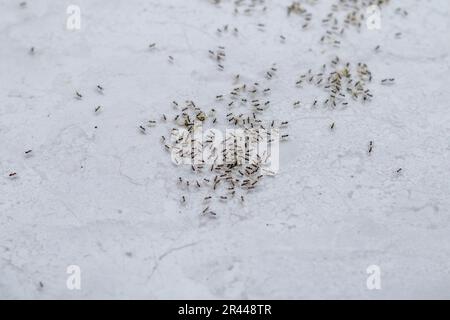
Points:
(225, 166)
(230, 172)
(339, 82)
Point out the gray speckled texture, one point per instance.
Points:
(106, 199)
